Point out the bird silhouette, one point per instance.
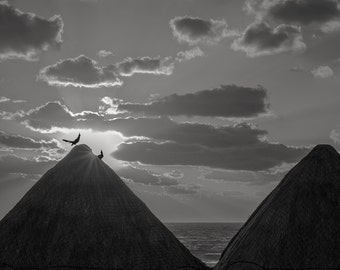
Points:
(101, 155)
(74, 142)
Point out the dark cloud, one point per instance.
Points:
(253, 157)
(18, 141)
(165, 129)
(260, 39)
(196, 30)
(304, 11)
(146, 64)
(226, 101)
(47, 117)
(80, 72)
(24, 35)
(14, 164)
(143, 176)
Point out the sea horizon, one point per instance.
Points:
(205, 240)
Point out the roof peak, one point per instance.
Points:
(323, 150)
(81, 148)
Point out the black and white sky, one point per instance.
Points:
(200, 106)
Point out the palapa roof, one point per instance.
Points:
(298, 225)
(81, 215)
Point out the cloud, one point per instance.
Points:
(161, 141)
(24, 35)
(249, 178)
(4, 99)
(260, 39)
(194, 30)
(330, 27)
(303, 11)
(105, 53)
(85, 72)
(164, 129)
(226, 101)
(46, 117)
(323, 72)
(335, 136)
(182, 189)
(297, 69)
(189, 54)
(143, 176)
(146, 64)
(18, 141)
(7, 100)
(253, 157)
(175, 174)
(54, 115)
(80, 72)
(109, 105)
(15, 164)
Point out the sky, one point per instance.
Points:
(200, 106)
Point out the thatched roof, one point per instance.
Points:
(81, 215)
(298, 225)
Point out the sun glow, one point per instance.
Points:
(107, 141)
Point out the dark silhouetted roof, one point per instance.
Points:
(80, 214)
(298, 225)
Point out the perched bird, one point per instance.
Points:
(73, 142)
(101, 155)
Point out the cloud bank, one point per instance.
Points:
(254, 157)
(162, 141)
(225, 101)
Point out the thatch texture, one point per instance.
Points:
(80, 214)
(298, 225)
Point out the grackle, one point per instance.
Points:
(101, 155)
(73, 142)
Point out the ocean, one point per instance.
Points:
(205, 240)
